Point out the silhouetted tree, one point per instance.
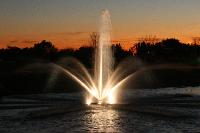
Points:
(94, 39)
(168, 50)
(66, 52)
(147, 49)
(120, 53)
(149, 39)
(85, 55)
(44, 49)
(196, 40)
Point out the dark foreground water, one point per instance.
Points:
(162, 110)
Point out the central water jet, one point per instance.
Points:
(103, 55)
(106, 81)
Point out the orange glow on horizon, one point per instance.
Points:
(73, 41)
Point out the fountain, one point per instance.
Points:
(103, 85)
(103, 56)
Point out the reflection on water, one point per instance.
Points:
(102, 120)
(105, 118)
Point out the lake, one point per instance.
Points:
(144, 110)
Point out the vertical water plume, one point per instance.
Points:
(106, 81)
(103, 54)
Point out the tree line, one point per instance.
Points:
(167, 51)
(45, 50)
(148, 50)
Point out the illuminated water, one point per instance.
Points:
(103, 56)
(145, 110)
(103, 118)
(104, 82)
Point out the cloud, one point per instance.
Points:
(29, 41)
(14, 41)
(71, 33)
(77, 33)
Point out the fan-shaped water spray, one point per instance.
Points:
(105, 81)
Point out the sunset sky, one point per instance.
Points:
(68, 23)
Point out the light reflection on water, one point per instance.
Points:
(105, 119)
(102, 120)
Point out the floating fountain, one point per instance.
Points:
(103, 85)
